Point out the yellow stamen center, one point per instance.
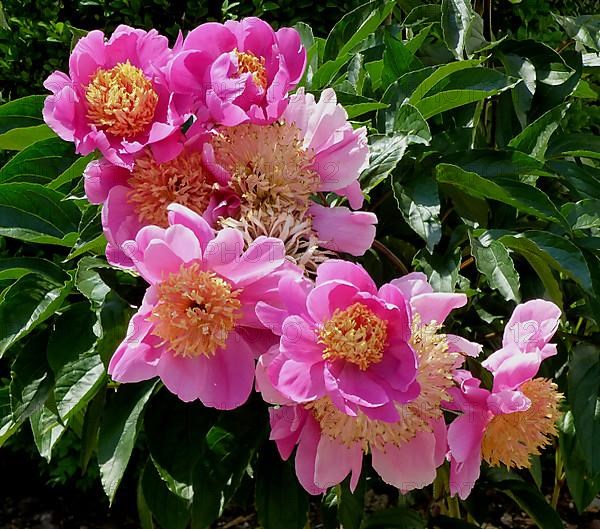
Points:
(434, 375)
(155, 186)
(355, 335)
(196, 311)
(121, 100)
(250, 63)
(512, 438)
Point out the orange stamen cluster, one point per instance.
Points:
(196, 311)
(154, 186)
(355, 335)
(121, 100)
(250, 63)
(512, 438)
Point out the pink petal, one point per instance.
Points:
(532, 325)
(335, 461)
(306, 456)
(409, 466)
(345, 271)
(342, 230)
(436, 306)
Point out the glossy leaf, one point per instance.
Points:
(521, 196)
(495, 263)
(19, 113)
(281, 502)
(39, 163)
(33, 213)
(77, 366)
(584, 397)
(118, 433)
(27, 303)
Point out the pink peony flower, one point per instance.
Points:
(359, 370)
(196, 328)
(278, 169)
(139, 197)
(517, 417)
(115, 98)
(238, 71)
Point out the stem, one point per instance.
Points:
(466, 263)
(558, 479)
(391, 256)
(453, 507)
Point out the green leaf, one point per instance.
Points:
(582, 215)
(397, 59)
(31, 380)
(442, 270)
(438, 74)
(19, 139)
(583, 484)
(91, 426)
(384, 154)
(580, 145)
(584, 396)
(78, 368)
(527, 497)
(534, 138)
(495, 263)
(404, 120)
(582, 180)
(461, 88)
(33, 213)
(16, 267)
(118, 433)
(27, 303)
(523, 197)
(354, 27)
(419, 203)
(19, 113)
(558, 252)
(456, 17)
(89, 282)
(351, 504)
(144, 512)
(398, 517)
(584, 29)
(168, 422)
(39, 163)
(47, 431)
(8, 426)
(281, 503)
(493, 164)
(171, 511)
(226, 454)
(73, 171)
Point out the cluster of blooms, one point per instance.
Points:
(212, 182)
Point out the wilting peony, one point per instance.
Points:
(360, 370)
(278, 169)
(238, 72)
(115, 98)
(140, 197)
(196, 328)
(517, 418)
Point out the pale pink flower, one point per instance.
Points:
(517, 417)
(278, 169)
(359, 369)
(238, 72)
(115, 98)
(139, 197)
(196, 328)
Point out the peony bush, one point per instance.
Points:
(263, 261)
